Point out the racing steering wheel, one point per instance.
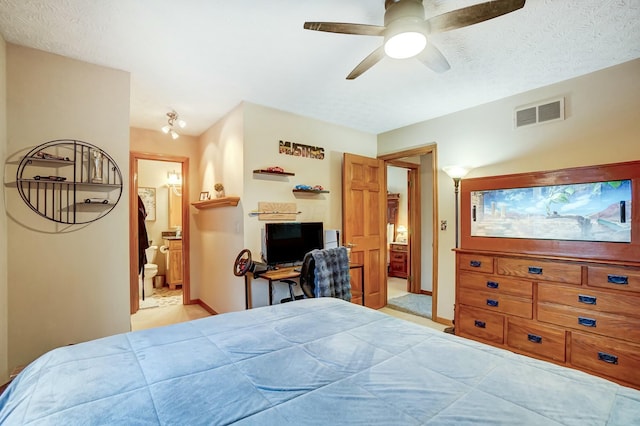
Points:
(243, 263)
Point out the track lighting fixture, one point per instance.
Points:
(173, 121)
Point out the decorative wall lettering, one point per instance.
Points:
(300, 150)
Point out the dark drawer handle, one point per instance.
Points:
(533, 338)
(475, 263)
(491, 302)
(480, 324)
(618, 279)
(535, 270)
(587, 322)
(588, 300)
(611, 359)
(492, 284)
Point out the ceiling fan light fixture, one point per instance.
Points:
(405, 45)
(405, 38)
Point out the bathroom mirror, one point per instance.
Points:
(175, 207)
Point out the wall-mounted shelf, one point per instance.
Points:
(270, 172)
(54, 179)
(311, 191)
(216, 202)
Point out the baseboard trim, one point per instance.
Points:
(427, 293)
(443, 321)
(204, 306)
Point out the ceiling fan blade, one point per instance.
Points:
(337, 27)
(472, 15)
(434, 59)
(367, 63)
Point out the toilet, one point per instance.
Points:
(150, 271)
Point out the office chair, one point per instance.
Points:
(325, 273)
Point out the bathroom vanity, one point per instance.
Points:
(174, 261)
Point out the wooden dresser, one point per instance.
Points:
(398, 259)
(571, 296)
(582, 314)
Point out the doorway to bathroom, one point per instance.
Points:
(160, 183)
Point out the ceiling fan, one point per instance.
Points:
(405, 30)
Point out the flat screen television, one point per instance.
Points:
(288, 242)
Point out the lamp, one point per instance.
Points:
(174, 119)
(456, 173)
(401, 236)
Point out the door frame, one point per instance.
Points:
(414, 203)
(134, 294)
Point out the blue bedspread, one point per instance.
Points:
(310, 362)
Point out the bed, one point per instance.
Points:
(314, 361)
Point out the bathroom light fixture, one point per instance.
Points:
(174, 182)
(173, 121)
(456, 173)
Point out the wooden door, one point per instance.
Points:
(364, 224)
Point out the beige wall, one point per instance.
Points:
(263, 129)
(217, 234)
(245, 140)
(601, 126)
(67, 284)
(4, 306)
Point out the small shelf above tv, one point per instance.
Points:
(216, 202)
(271, 172)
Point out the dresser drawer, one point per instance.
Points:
(590, 321)
(399, 247)
(476, 263)
(481, 324)
(540, 270)
(619, 360)
(517, 306)
(617, 278)
(589, 299)
(536, 339)
(398, 257)
(496, 284)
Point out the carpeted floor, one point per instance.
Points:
(416, 304)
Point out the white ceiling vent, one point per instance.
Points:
(543, 112)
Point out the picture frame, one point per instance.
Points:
(148, 197)
(204, 195)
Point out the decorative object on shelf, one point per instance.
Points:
(317, 189)
(216, 202)
(204, 195)
(61, 197)
(173, 121)
(148, 197)
(456, 173)
(47, 156)
(275, 211)
(300, 150)
(96, 157)
(219, 188)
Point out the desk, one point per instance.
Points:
(289, 273)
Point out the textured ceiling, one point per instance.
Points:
(204, 57)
